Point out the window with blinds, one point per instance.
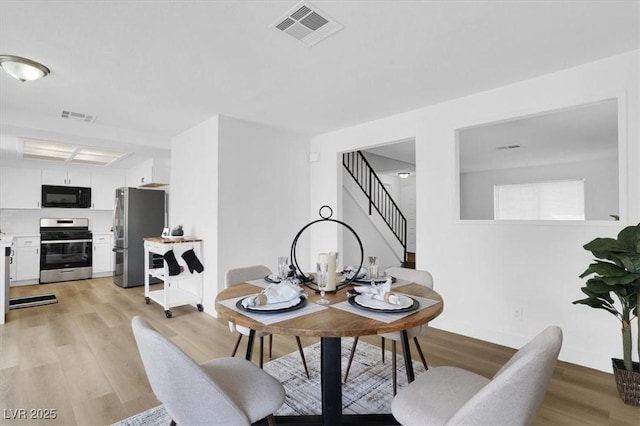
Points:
(556, 200)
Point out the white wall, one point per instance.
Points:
(242, 188)
(485, 270)
(408, 207)
(194, 195)
(27, 221)
(263, 195)
(600, 186)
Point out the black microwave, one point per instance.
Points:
(66, 196)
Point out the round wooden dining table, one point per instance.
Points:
(331, 325)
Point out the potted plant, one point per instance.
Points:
(177, 231)
(614, 286)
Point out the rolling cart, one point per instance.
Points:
(184, 288)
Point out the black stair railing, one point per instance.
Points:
(379, 198)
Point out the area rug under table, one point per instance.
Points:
(369, 389)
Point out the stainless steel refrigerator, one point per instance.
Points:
(138, 213)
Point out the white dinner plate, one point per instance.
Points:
(405, 302)
(274, 306)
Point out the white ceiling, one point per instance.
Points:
(150, 70)
(580, 133)
(402, 151)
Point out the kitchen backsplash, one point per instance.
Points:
(27, 221)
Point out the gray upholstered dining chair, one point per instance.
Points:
(453, 396)
(238, 276)
(413, 275)
(223, 391)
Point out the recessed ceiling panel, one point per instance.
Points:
(36, 149)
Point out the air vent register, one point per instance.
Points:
(306, 23)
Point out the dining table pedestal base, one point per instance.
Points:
(331, 380)
(331, 389)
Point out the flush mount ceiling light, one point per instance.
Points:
(404, 175)
(35, 149)
(22, 69)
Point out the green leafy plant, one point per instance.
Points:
(177, 231)
(615, 284)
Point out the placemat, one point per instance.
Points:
(275, 317)
(386, 317)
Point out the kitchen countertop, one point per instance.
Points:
(37, 234)
(171, 240)
(6, 239)
(23, 235)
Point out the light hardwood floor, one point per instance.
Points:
(79, 357)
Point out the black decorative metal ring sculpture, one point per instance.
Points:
(323, 218)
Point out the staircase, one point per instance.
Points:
(379, 199)
(410, 260)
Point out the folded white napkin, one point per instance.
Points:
(275, 278)
(351, 271)
(380, 291)
(274, 293)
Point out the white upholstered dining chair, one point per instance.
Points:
(416, 276)
(238, 276)
(223, 391)
(453, 396)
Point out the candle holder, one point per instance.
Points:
(308, 280)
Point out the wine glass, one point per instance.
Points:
(283, 267)
(373, 268)
(321, 281)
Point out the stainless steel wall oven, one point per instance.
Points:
(66, 248)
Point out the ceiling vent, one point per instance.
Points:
(306, 23)
(77, 116)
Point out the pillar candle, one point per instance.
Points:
(331, 280)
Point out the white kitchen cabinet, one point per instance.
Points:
(103, 261)
(20, 188)
(63, 177)
(12, 262)
(103, 190)
(150, 174)
(5, 242)
(27, 259)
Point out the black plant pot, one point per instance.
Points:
(628, 382)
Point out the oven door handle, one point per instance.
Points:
(65, 241)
